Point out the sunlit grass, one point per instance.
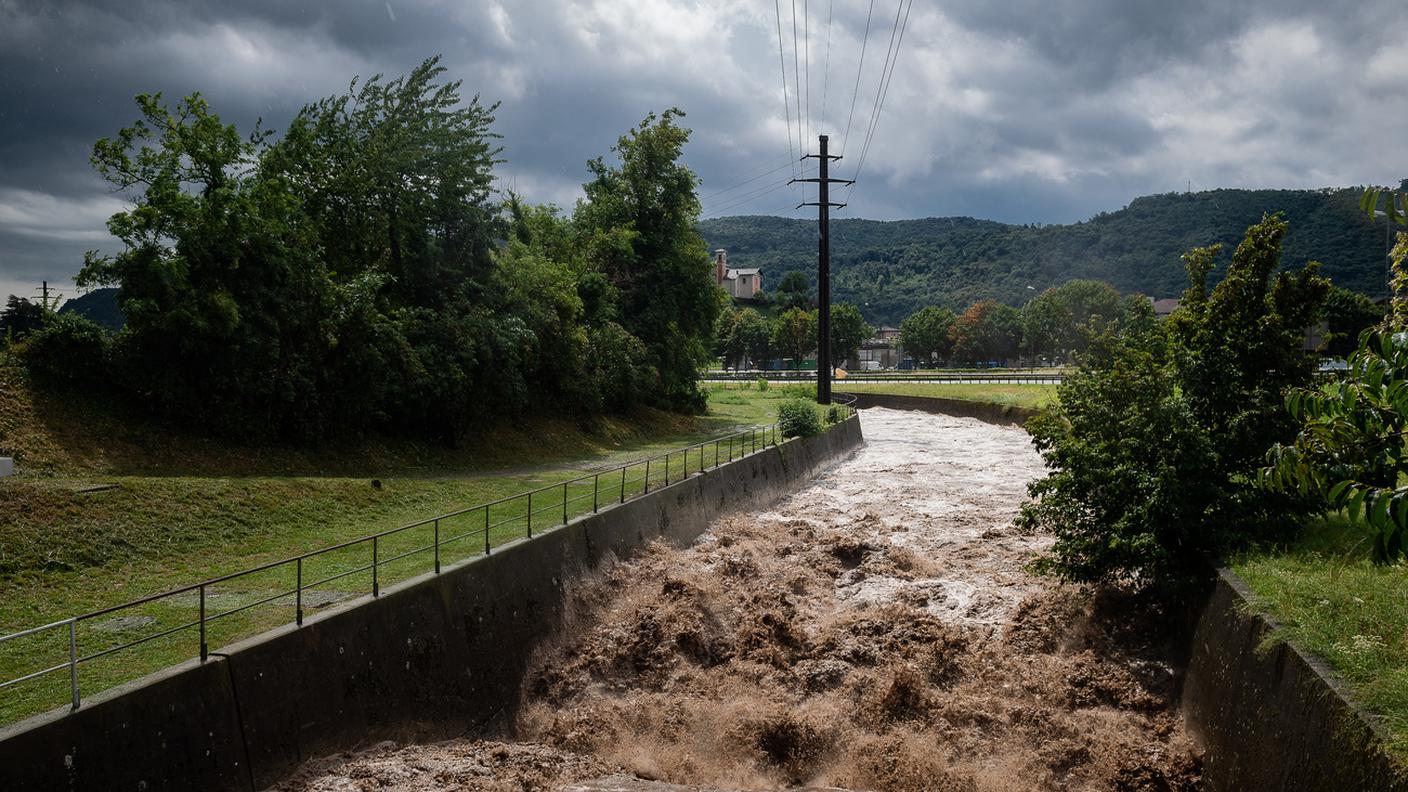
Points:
(1331, 600)
(1032, 396)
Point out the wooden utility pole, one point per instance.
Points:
(823, 204)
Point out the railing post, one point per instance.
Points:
(623, 483)
(73, 660)
(203, 651)
(298, 594)
(486, 529)
(564, 503)
(716, 453)
(530, 515)
(376, 586)
(647, 477)
(596, 492)
(667, 468)
(437, 545)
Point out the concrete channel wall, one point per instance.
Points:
(431, 658)
(1270, 717)
(985, 411)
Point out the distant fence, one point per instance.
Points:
(223, 609)
(1012, 377)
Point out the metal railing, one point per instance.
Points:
(379, 557)
(994, 376)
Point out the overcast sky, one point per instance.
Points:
(1021, 111)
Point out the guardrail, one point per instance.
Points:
(391, 555)
(955, 377)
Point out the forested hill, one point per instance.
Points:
(889, 269)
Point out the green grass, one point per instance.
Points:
(1033, 396)
(1332, 601)
(64, 552)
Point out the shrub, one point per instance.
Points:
(1159, 436)
(797, 418)
(833, 414)
(69, 349)
(762, 383)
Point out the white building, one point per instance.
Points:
(741, 284)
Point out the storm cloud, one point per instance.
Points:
(1023, 111)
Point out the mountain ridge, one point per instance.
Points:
(889, 268)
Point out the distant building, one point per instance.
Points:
(1165, 306)
(887, 333)
(741, 284)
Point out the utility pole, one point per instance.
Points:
(823, 266)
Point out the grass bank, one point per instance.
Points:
(1331, 600)
(1033, 396)
(111, 507)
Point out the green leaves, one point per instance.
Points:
(1395, 204)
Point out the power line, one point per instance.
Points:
(746, 198)
(806, 24)
(855, 94)
(884, 82)
(797, 79)
(826, 75)
(786, 105)
(788, 164)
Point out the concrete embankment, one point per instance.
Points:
(1266, 715)
(1001, 414)
(437, 656)
(1270, 717)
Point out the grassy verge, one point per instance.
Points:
(1034, 396)
(1332, 601)
(66, 549)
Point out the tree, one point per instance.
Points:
(793, 291)
(743, 336)
(1055, 322)
(1158, 438)
(988, 330)
(20, 318)
(639, 224)
(925, 334)
(1349, 452)
(794, 335)
(848, 331)
(1348, 314)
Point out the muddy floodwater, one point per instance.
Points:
(876, 630)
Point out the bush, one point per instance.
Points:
(797, 418)
(69, 349)
(762, 384)
(833, 414)
(1158, 439)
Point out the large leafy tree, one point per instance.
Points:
(925, 334)
(1056, 321)
(794, 335)
(1348, 314)
(396, 176)
(743, 336)
(848, 331)
(793, 291)
(225, 296)
(988, 330)
(20, 318)
(1349, 453)
(639, 222)
(1156, 444)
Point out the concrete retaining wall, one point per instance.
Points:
(435, 657)
(1273, 719)
(984, 411)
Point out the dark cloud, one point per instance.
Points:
(1023, 111)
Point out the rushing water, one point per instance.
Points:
(876, 630)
